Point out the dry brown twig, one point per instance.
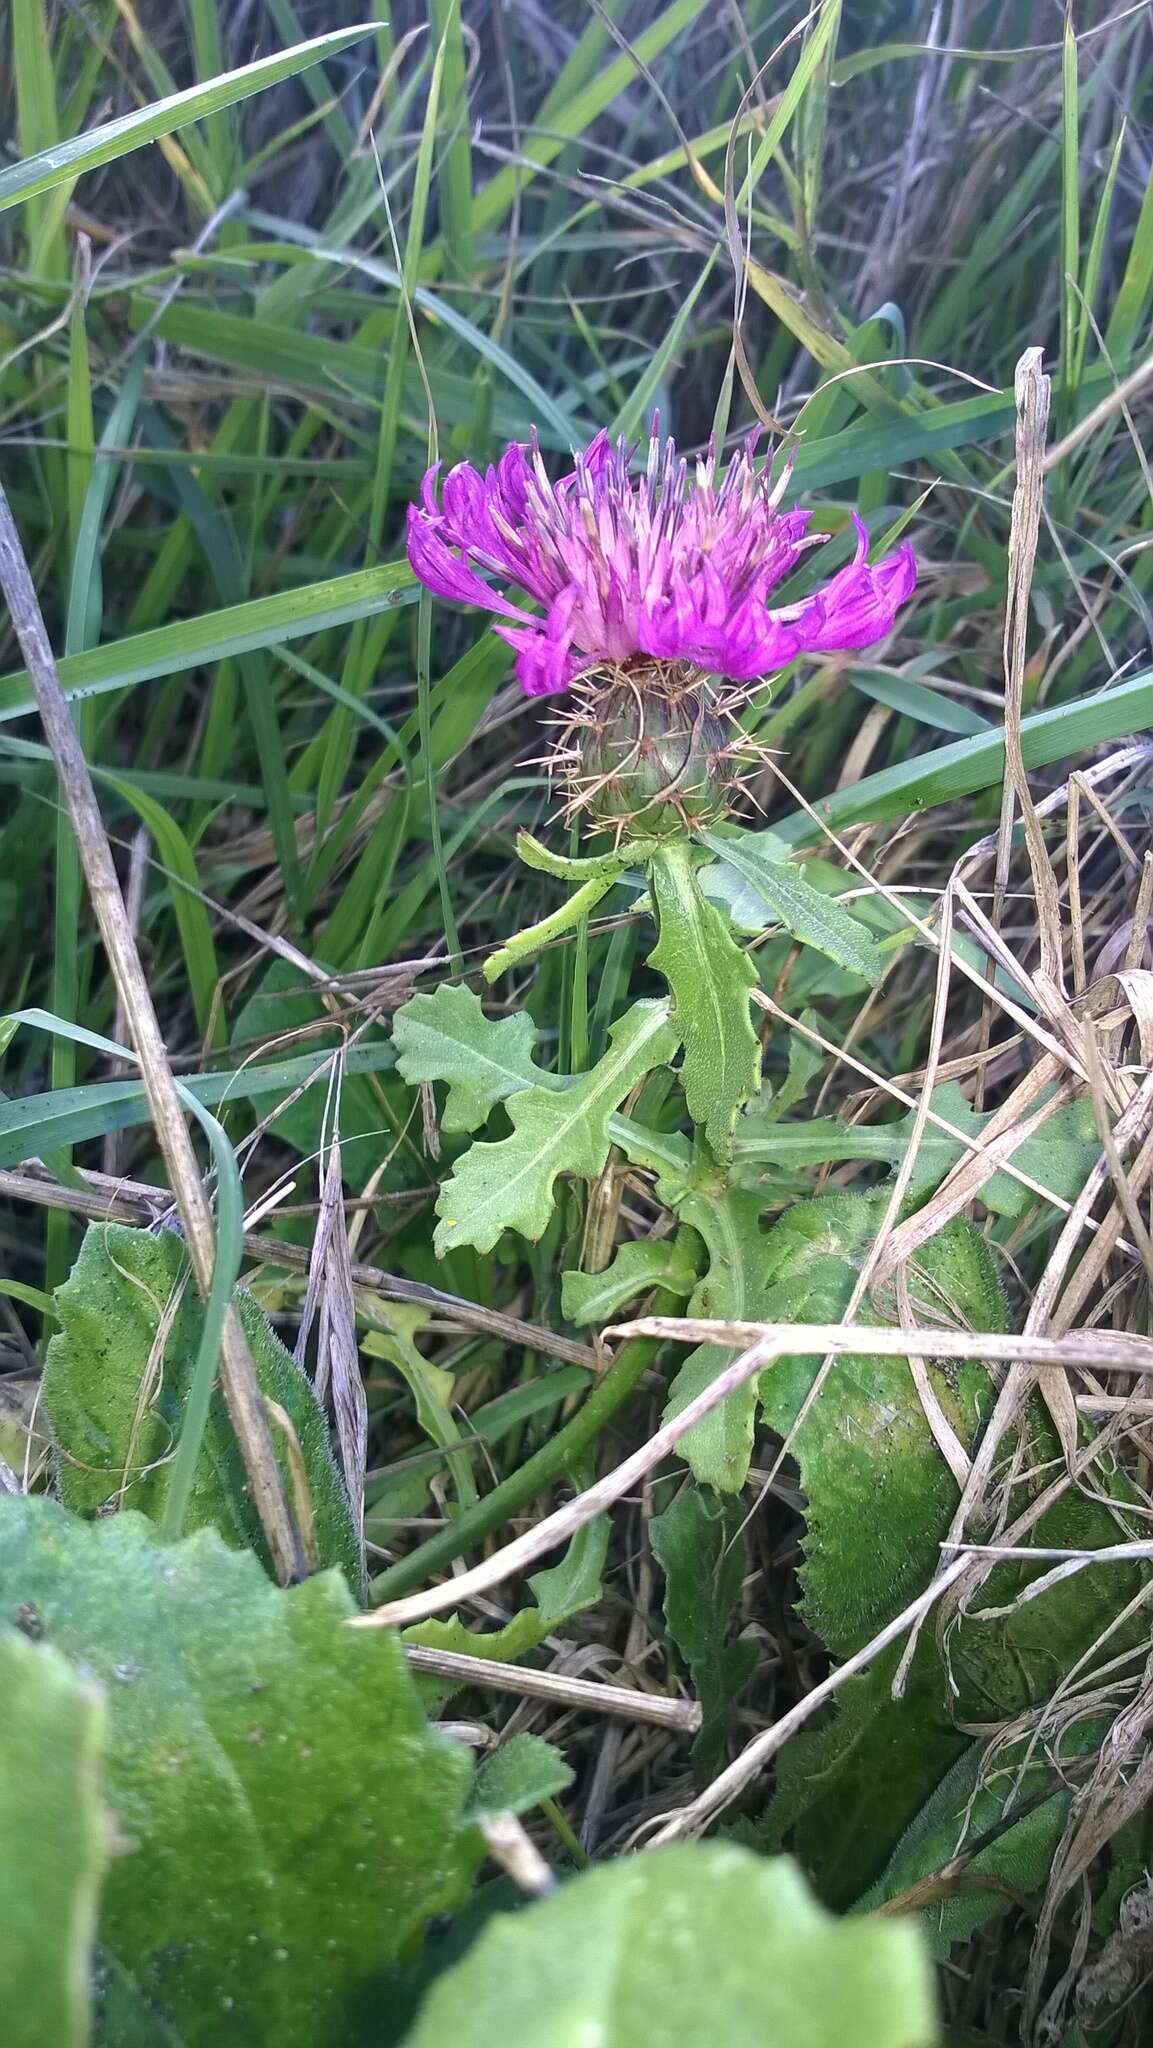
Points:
(103, 1198)
(238, 1374)
(557, 1689)
(766, 1342)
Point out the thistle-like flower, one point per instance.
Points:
(653, 568)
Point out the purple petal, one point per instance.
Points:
(860, 603)
(434, 564)
(464, 497)
(511, 479)
(543, 666)
(428, 491)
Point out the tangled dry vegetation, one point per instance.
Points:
(219, 404)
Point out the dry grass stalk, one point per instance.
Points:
(127, 1201)
(238, 1374)
(557, 1688)
(766, 1342)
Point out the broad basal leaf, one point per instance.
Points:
(697, 1544)
(686, 1947)
(806, 913)
(643, 1263)
(508, 1185)
(286, 1818)
(849, 1784)
(446, 1036)
(116, 1381)
(710, 978)
(54, 1842)
(880, 1498)
(880, 1495)
(967, 1805)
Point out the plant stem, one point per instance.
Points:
(530, 941)
(542, 1470)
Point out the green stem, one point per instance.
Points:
(572, 1842)
(568, 868)
(548, 1465)
(530, 941)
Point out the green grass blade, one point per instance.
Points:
(1136, 287)
(1070, 206)
(33, 1125)
(366, 644)
(81, 433)
(818, 45)
(37, 123)
(572, 117)
(220, 130)
(455, 183)
(631, 417)
(195, 643)
(1093, 261)
(316, 84)
(188, 907)
(972, 764)
(544, 408)
(65, 161)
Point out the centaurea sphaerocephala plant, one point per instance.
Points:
(655, 586)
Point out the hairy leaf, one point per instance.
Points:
(517, 1776)
(880, 1498)
(849, 1785)
(966, 1806)
(508, 1185)
(55, 1842)
(116, 1381)
(684, 1948)
(697, 1544)
(446, 1036)
(880, 1495)
(710, 977)
(288, 1819)
(805, 1063)
(1060, 1156)
(643, 1263)
(821, 1141)
(806, 913)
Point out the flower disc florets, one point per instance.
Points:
(670, 564)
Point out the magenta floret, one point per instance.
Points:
(667, 564)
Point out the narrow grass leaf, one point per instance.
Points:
(65, 161)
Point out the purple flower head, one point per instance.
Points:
(660, 565)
